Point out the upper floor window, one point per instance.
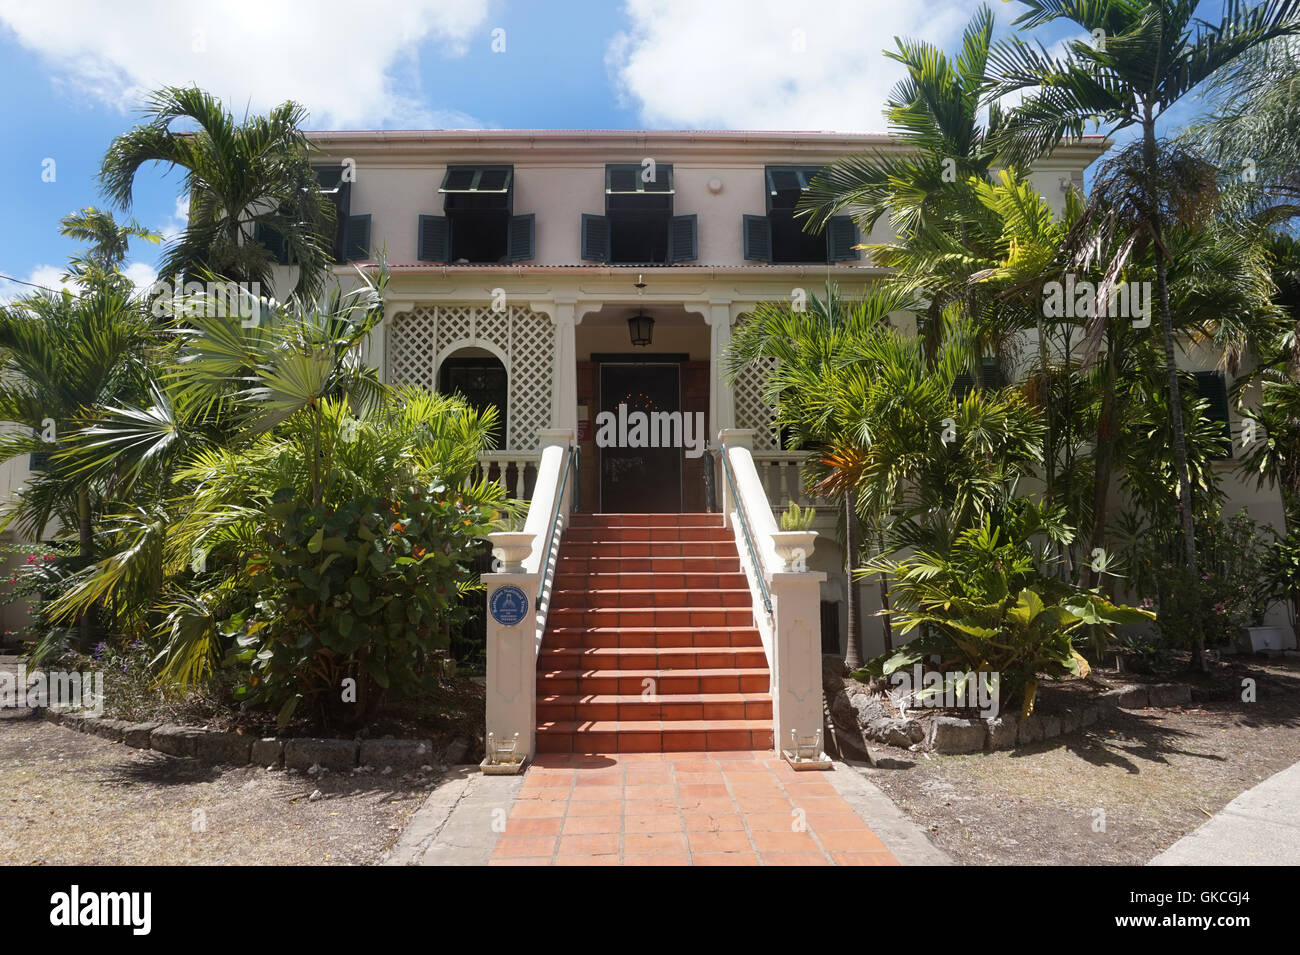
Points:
(1212, 388)
(779, 237)
(349, 236)
(478, 224)
(638, 227)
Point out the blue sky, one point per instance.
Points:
(73, 74)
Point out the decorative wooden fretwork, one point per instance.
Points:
(525, 338)
(752, 409)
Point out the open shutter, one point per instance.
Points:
(519, 242)
(595, 238)
(273, 242)
(342, 213)
(432, 241)
(356, 241)
(841, 237)
(683, 239)
(1212, 388)
(756, 233)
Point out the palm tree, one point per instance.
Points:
(1250, 132)
(935, 114)
(238, 176)
(109, 242)
(60, 355)
(809, 349)
(1149, 56)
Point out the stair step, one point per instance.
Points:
(652, 617)
(651, 604)
(683, 706)
(647, 535)
(665, 597)
(653, 564)
(663, 682)
(671, 580)
(653, 658)
(661, 637)
(653, 736)
(720, 548)
(585, 519)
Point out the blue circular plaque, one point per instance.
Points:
(509, 605)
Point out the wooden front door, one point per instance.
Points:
(639, 479)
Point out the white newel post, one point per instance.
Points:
(797, 670)
(514, 633)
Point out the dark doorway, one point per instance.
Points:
(638, 479)
(481, 380)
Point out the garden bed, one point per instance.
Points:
(1062, 707)
(1119, 792)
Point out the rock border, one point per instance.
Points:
(233, 749)
(952, 735)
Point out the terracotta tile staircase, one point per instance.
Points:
(651, 597)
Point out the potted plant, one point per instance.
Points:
(512, 544)
(794, 541)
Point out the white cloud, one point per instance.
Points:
(350, 63)
(51, 277)
(141, 274)
(171, 229)
(46, 276)
(771, 64)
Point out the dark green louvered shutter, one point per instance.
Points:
(963, 385)
(841, 237)
(756, 234)
(990, 373)
(683, 236)
(595, 238)
(522, 235)
(273, 242)
(1212, 388)
(432, 242)
(356, 242)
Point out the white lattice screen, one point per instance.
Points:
(752, 410)
(526, 338)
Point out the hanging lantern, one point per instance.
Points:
(641, 327)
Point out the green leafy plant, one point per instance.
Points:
(986, 604)
(365, 591)
(795, 518)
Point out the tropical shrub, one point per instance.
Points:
(989, 604)
(1234, 589)
(365, 591)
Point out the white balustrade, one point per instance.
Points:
(514, 638)
(791, 631)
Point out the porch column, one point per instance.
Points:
(564, 413)
(722, 406)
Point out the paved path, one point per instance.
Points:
(722, 808)
(1259, 827)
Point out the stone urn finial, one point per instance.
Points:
(512, 549)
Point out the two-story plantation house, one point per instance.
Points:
(575, 279)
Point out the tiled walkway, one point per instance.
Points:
(722, 808)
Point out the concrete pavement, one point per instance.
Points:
(1259, 827)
